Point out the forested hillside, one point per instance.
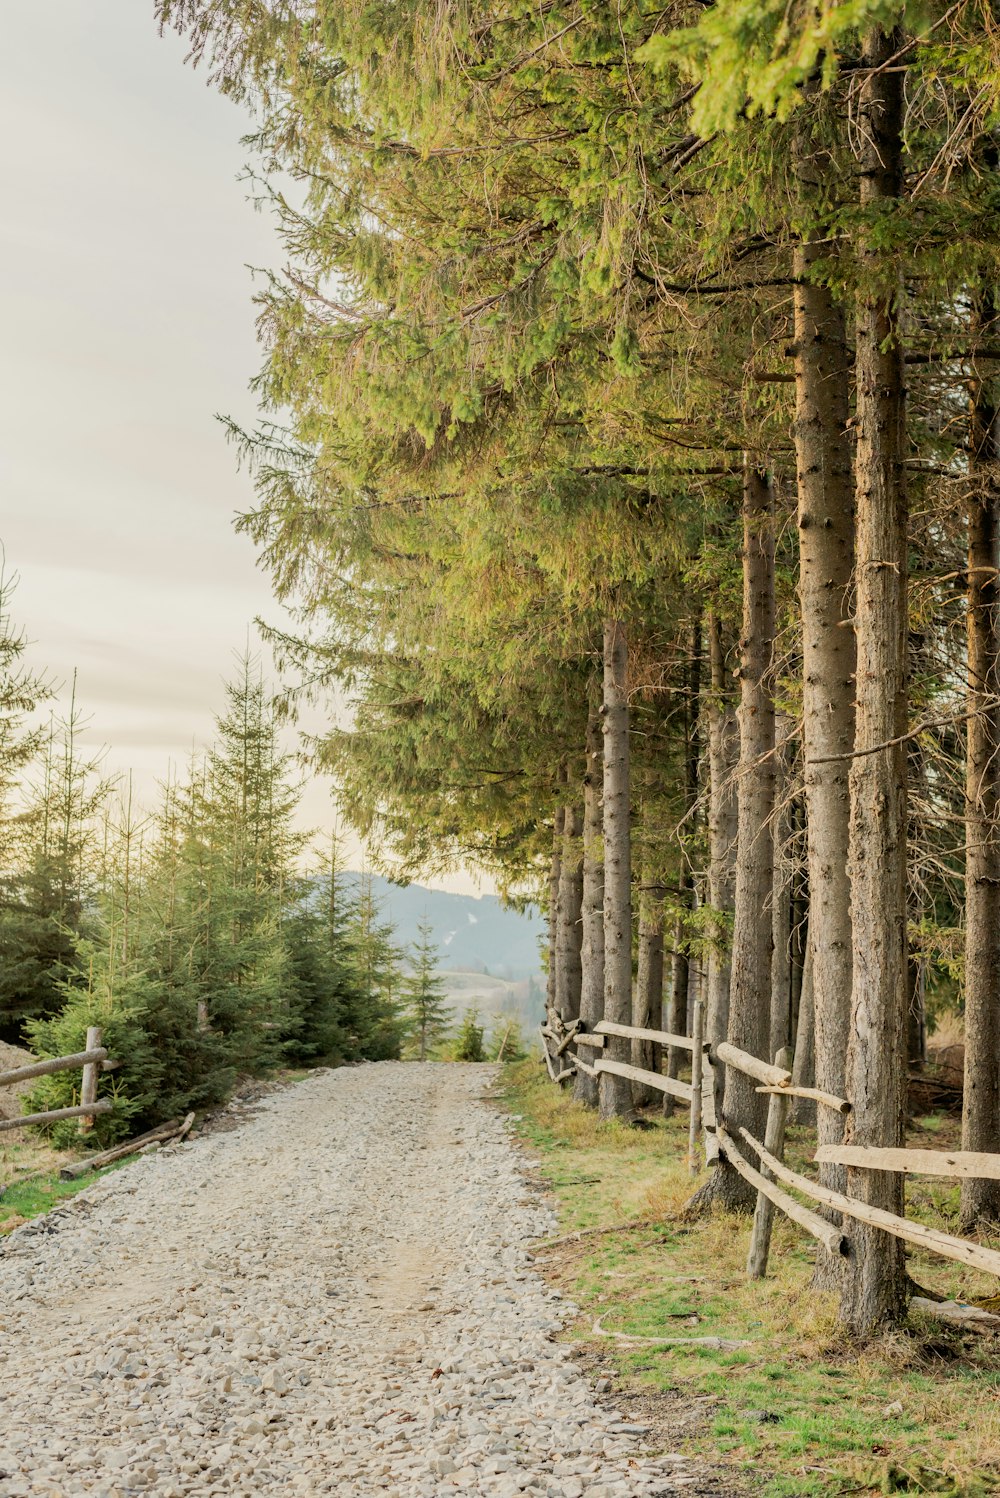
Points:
(470, 932)
(629, 456)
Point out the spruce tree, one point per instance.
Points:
(423, 990)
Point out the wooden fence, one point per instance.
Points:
(761, 1162)
(92, 1062)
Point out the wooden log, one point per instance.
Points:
(568, 1038)
(708, 1095)
(545, 1052)
(88, 1087)
(694, 1127)
(634, 1032)
(103, 1106)
(826, 1232)
(585, 1066)
(971, 1254)
(965, 1163)
(53, 1064)
(956, 1313)
(171, 1131)
(720, 1344)
(813, 1094)
(774, 1138)
(711, 1143)
(566, 1073)
(761, 1071)
(651, 1078)
(595, 1042)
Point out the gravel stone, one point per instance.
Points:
(335, 1297)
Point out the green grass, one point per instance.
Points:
(797, 1408)
(23, 1200)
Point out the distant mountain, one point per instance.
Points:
(473, 934)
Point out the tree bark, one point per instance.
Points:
(555, 879)
(592, 902)
(615, 1092)
(749, 1009)
(569, 971)
(804, 1057)
(680, 984)
(826, 567)
(723, 749)
(684, 970)
(647, 1006)
(981, 1101)
(781, 898)
(874, 1277)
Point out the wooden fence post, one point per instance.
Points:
(774, 1140)
(697, 1036)
(88, 1089)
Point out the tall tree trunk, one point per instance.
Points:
(916, 1024)
(723, 749)
(680, 981)
(681, 996)
(647, 1005)
(555, 879)
(826, 568)
(570, 935)
(981, 1104)
(874, 1279)
(781, 898)
(592, 903)
(749, 1008)
(615, 1092)
(804, 1059)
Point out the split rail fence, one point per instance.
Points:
(92, 1062)
(738, 1148)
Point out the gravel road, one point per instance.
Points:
(333, 1298)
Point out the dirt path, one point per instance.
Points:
(334, 1298)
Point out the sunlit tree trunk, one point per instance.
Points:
(647, 1004)
(552, 915)
(781, 899)
(874, 1279)
(592, 903)
(723, 750)
(749, 1006)
(615, 1092)
(826, 566)
(569, 936)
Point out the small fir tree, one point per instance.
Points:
(424, 993)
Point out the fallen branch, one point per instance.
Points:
(616, 1227)
(160, 1135)
(721, 1344)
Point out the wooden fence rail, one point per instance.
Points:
(53, 1064)
(718, 1141)
(90, 1061)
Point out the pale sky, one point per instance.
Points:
(126, 323)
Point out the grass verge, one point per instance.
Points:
(795, 1410)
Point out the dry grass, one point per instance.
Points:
(917, 1413)
(949, 1029)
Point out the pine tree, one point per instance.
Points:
(423, 991)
